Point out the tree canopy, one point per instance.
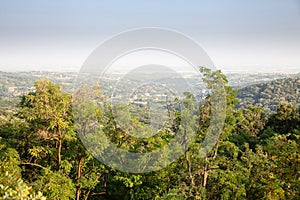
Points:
(42, 156)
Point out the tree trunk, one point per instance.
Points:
(78, 192)
(87, 195)
(59, 152)
(186, 154)
(205, 174)
(79, 168)
(206, 167)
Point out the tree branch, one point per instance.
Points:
(32, 164)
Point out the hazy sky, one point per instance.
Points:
(236, 34)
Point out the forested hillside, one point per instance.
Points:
(256, 156)
(268, 95)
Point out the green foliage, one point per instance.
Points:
(55, 185)
(286, 119)
(47, 107)
(172, 194)
(12, 185)
(15, 188)
(41, 156)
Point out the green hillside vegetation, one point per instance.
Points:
(268, 95)
(42, 157)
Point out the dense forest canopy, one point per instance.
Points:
(268, 95)
(42, 157)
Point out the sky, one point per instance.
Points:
(238, 35)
